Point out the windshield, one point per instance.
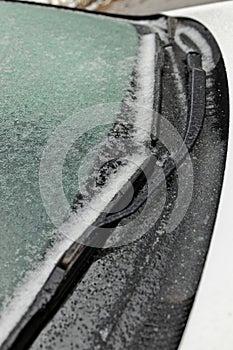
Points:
(54, 64)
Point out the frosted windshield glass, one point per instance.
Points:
(52, 63)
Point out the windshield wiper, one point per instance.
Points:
(76, 261)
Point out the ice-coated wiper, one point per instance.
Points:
(78, 258)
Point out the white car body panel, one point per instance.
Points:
(210, 326)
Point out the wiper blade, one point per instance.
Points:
(78, 258)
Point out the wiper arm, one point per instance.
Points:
(197, 83)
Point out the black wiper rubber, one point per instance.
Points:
(78, 258)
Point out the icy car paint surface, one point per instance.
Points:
(53, 63)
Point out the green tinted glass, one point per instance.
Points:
(52, 63)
